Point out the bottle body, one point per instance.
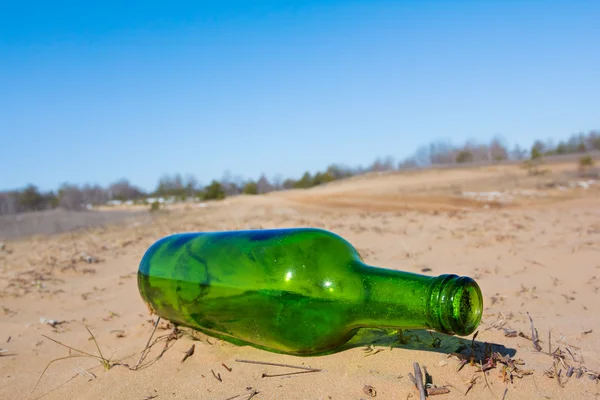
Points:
(299, 291)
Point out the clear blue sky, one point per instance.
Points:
(96, 91)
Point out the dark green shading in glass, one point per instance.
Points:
(301, 291)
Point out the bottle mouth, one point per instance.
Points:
(457, 305)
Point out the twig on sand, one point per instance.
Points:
(433, 391)
(216, 375)
(418, 380)
(188, 353)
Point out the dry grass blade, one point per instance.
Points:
(534, 335)
(279, 365)
(147, 348)
(105, 362)
(486, 381)
(250, 395)
(288, 374)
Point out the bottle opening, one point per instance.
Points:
(459, 305)
(467, 308)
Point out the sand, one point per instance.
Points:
(534, 248)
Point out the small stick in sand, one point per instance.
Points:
(437, 390)
(188, 353)
(217, 376)
(419, 380)
(226, 367)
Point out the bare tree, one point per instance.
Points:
(278, 182)
(123, 190)
(498, 149)
(191, 185)
(9, 203)
(263, 185)
(70, 197)
(518, 153)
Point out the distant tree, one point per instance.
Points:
(464, 157)
(263, 185)
(304, 182)
(382, 164)
(31, 199)
(191, 185)
(214, 191)
(94, 194)
(498, 149)
(70, 197)
(536, 153)
(594, 140)
(231, 189)
(586, 163)
(321, 177)
(289, 184)
(423, 156)
(52, 200)
(250, 188)
(537, 150)
(171, 186)
(408, 163)
(337, 171)
(9, 203)
(277, 182)
(561, 148)
(518, 153)
(229, 186)
(442, 152)
(123, 190)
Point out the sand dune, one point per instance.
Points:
(533, 246)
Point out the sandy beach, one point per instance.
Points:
(531, 242)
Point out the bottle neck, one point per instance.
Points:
(397, 299)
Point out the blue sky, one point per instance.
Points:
(96, 91)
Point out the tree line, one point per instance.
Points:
(78, 197)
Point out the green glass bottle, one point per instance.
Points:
(301, 291)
